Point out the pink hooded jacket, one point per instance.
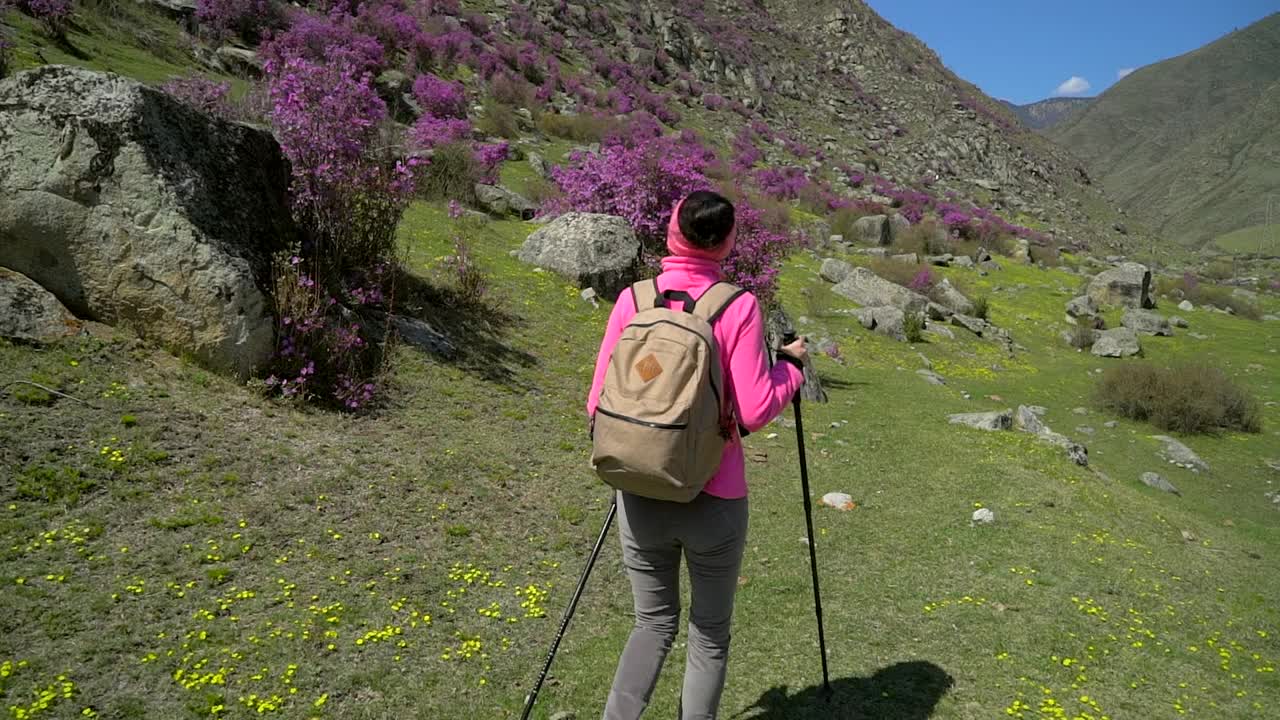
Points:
(757, 392)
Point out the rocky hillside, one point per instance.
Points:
(1191, 144)
(876, 97)
(855, 102)
(1048, 113)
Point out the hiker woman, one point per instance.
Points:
(711, 530)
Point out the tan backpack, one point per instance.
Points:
(661, 423)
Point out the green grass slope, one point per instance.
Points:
(126, 38)
(1258, 239)
(183, 548)
(1190, 144)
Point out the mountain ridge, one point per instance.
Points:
(1189, 144)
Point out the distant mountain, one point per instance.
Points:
(1048, 113)
(1190, 144)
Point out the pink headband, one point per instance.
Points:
(679, 245)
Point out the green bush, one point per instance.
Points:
(452, 174)
(900, 273)
(1191, 288)
(913, 327)
(1188, 399)
(981, 307)
(582, 128)
(499, 119)
(842, 221)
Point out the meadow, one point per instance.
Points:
(181, 546)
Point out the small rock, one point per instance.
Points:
(983, 516)
(1110, 424)
(1146, 322)
(1188, 536)
(1118, 342)
(1186, 306)
(1078, 454)
(1179, 454)
(838, 500)
(1080, 411)
(564, 715)
(1179, 321)
(1084, 430)
(931, 377)
(1158, 482)
(771, 436)
(995, 420)
(1027, 420)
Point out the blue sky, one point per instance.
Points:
(1028, 50)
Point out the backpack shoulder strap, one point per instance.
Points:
(645, 294)
(717, 298)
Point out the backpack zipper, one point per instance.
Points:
(645, 423)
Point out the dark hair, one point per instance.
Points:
(706, 219)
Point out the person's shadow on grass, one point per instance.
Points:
(902, 691)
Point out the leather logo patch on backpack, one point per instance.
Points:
(649, 367)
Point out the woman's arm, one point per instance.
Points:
(623, 311)
(760, 392)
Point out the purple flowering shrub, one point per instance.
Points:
(640, 182)
(643, 178)
(922, 281)
(323, 349)
(330, 39)
(758, 253)
(469, 277)
(348, 194)
(490, 158)
(246, 18)
(200, 92)
(440, 98)
(784, 183)
(54, 15)
(430, 131)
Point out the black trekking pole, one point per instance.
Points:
(568, 613)
(808, 519)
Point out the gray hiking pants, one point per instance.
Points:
(711, 532)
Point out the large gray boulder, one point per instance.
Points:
(500, 201)
(946, 295)
(898, 226)
(1118, 342)
(1127, 285)
(834, 270)
(872, 230)
(885, 320)
(592, 250)
(1081, 307)
(1146, 322)
(29, 313)
(870, 290)
(134, 208)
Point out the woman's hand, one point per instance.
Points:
(797, 350)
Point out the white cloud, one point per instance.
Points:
(1074, 85)
(1122, 72)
